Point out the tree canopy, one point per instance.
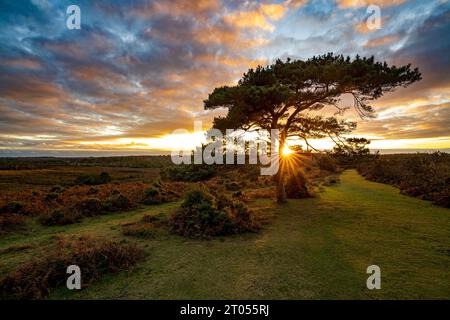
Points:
(273, 97)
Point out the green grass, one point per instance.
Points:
(312, 249)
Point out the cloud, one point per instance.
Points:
(366, 3)
(382, 41)
(260, 17)
(142, 69)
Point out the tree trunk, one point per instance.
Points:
(281, 190)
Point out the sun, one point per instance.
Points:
(287, 151)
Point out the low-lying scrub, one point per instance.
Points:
(92, 180)
(35, 279)
(62, 206)
(10, 220)
(426, 176)
(203, 215)
(326, 162)
(59, 217)
(188, 173)
(162, 192)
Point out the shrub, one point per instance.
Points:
(189, 173)
(152, 196)
(89, 179)
(325, 162)
(51, 196)
(58, 217)
(10, 220)
(237, 194)
(33, 280)
(117, 202)
(202, 216)
(92, 191)
(232, 186)
(14, 207)
(56, 189)
(89, 207)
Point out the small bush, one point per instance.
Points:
(56, 189)
(152, 196)
(92, 191)
(11, 220)
(232, 186)
(58, 217)
(325, 162)
(117, 202)
(14, 207)
(203, 216)
(35, 279)
(189, 173)
(237, 194)
(51, 197)
(91, 180)
(89, 207)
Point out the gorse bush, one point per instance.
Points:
(203, 215)
(35, 279)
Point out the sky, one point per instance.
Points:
(138, 70)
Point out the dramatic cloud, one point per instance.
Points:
(138, 70)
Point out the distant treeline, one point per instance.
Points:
(46, 162)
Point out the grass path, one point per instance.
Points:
(312, 249)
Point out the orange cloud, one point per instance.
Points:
(199, 8)
(260, 18)
(381, 41)
(22, 63)
(364, 3)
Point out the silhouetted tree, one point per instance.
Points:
(352, 147)
(278, 96)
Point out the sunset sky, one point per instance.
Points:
(137, 70)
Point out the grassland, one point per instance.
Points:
(315, 248)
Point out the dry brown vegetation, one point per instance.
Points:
(34, 279)
(66, 205)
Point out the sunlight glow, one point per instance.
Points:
(287, 151)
